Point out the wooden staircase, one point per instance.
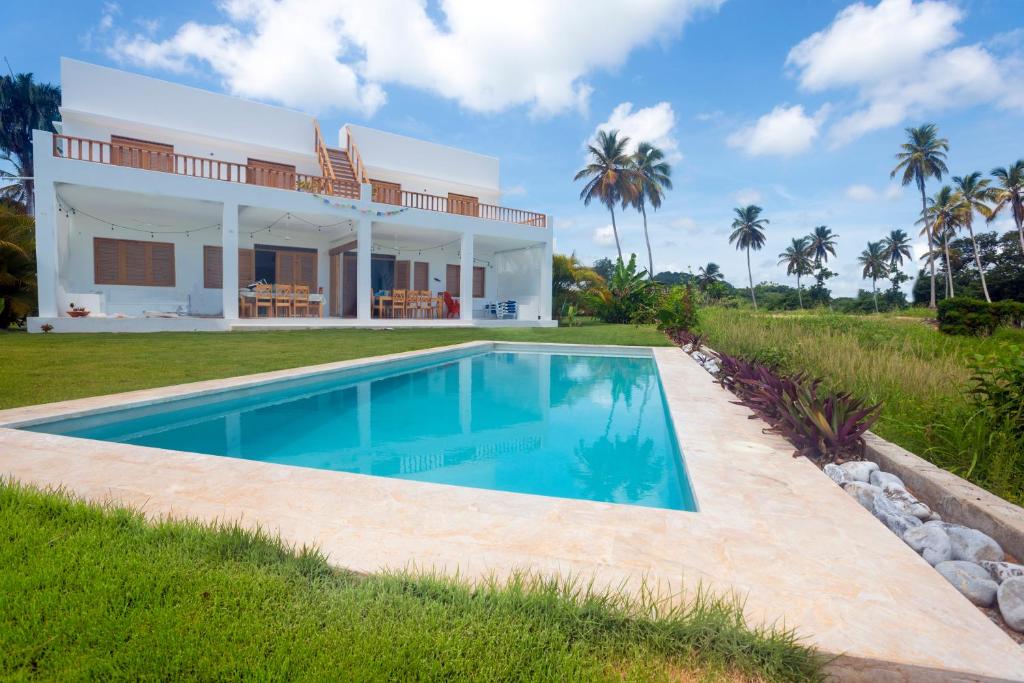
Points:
(341, 165)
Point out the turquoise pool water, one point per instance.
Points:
(592, 427)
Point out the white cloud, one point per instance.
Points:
(783, 131)
(866, 193)
(487, 56)
(900, 60)
(604, 237)
(655, 125)
(747, 196)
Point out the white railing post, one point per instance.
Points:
(229, 262)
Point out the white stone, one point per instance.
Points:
(973, 546)
(931, 542)
(863, 493)
(859, 470)
(1011, 602)
(971, 580)
(885, 480)
(906, 504)
(1001, 571)
(836, 473)
(898, 521)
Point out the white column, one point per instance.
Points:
(47, 252)
(466, 277)
(229, 261)
(364, 236)
(545, 272)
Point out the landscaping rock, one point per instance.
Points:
(1011, 602)
(836, 474)
(1001, 571)
(973, 546)
(934, 517)
(931, 542)
(859, 470)
(973, 582)
(898, 521)
(906, 504)
(863, 493)
(885, 480)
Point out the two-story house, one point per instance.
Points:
(166, 207)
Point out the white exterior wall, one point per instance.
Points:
(517, 273)
(421, 166)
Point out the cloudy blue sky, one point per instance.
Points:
(796, 105)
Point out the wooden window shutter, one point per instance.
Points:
(106, 262)
(305, 270)
(246, 267)
(452, 279)
(133, 262)
(213, 278)
(478, 281)
(161, 272)
(463, 204)
(145, 154)
(213, 267)
(270, 174)
(386, 192)
(402, 274)
(421, 276)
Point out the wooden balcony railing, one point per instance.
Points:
(99, 151)
(326, 167)
(386, 193)
(354, 158)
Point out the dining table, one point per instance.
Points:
(246, 295)
(380, 301)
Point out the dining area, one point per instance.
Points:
(413, 304)
(266, 300)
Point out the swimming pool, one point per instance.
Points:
(577, 425)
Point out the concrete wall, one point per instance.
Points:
(94, 90)
(428, 167)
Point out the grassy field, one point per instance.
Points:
(91, 593)
(42, 368)
(919, 375)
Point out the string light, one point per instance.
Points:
(68, 210)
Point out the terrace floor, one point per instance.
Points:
(771, 528)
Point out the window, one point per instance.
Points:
(453, 280)
(386, 192)
(270, 174)
(402, 274)
(213, 267)
(152, 156)
(463, 204)
(421, 276)
(132, 262)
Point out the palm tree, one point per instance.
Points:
(874, 262)
(974, 194)
(923, 157)
(24, 106)
(608, 176)
(821, 242)
(709, 275)
(798, 262)
(650, 175)
(748, 233)
(17, 265)
(943, 216)
(1010, 192)
(897, 248)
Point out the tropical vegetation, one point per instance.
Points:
(651, 176)
(17, 264)
(748, 233)
(24, 106)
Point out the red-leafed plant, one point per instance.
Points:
(824, 426)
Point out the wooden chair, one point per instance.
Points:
(399, 303)
(264, 298)
(301, 301)
(283, 300)
(416, 301)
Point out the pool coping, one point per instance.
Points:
(771, 528)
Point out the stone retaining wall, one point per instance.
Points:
(956, 499)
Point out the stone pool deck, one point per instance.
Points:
(771, 528)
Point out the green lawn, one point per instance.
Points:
(92, 593)
(53, 367)
(919, 375)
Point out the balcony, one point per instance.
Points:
(388, 193)
(162, 159)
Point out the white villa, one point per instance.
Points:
(165, 207)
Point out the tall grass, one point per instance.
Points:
(99, 593)
(921, 377)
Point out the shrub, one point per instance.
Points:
(997, 386)
(629, 296)
(678, 310)
(824, 426)
(967, 316)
